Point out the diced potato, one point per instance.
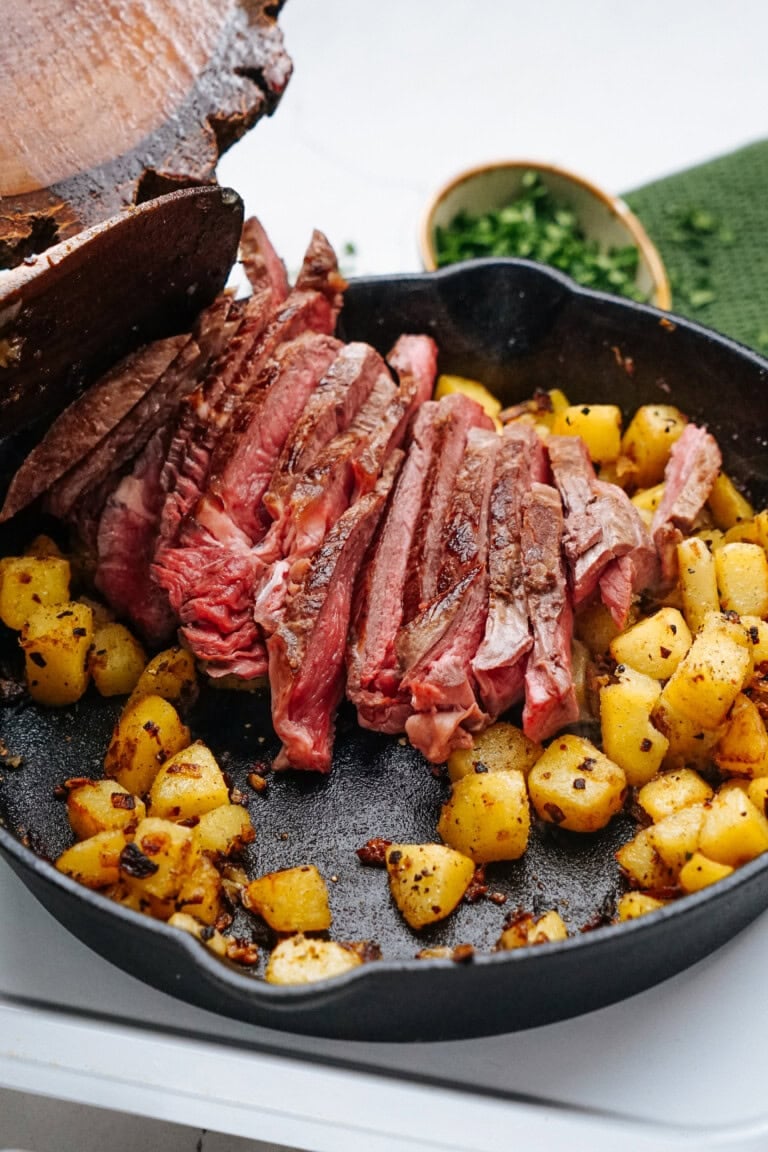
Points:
(172, 675)
(734, 830)
(710, 677)
(95, 806)
(629, 738)
(757, 632)
(188, 784)
(487, 817)
(743, 748)
(116, 661)
(745, 532)
(689, 743)
(557, 402)
(648, 440)
(527, 930)
(599, 426)
(159, 859)
(647, 501)
(223, 831)
(293, 900)
(757, 790)
(27, 582)
(56, 639)
(595, 627)
(676, 837)
(698, 582)
(632, 905)
(427, 881)
(712, 537)
(727, 504)
(501, 748)
(148, 732)
(581, 669)
(700, 872)
(43, 548)
(298, 960)
(215, 942)
(95, 862)
(449, 385)
(742, 579)
(200, 892)
(642, 865)
(654, 646)
(761, 527)
(672, 791)
(576, 786)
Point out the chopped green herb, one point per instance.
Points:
(537, 227)
(349, 248)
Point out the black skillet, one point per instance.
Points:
(518, 327)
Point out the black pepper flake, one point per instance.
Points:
(207, 932)
(555, 813)
(646, 745)
(152, 728)
(64, 614)
(665, 653)
(134, 863)
(395, 857)
(38, 659)
(754, 634)
(79, 631)
(480, 768)
(580, 783)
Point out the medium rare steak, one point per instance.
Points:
(550, 697)
(306, 653)
(262, 265)
(499, 665)
(691, 471)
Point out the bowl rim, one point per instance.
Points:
(662, 293)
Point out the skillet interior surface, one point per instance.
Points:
(517, 327)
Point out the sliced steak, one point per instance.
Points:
(262, 265)
(550, 697)
(306, 653)
(319, 271)
(499, 665)
(691, 471)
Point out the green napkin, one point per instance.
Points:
(710, 225)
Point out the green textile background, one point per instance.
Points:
(734, 189)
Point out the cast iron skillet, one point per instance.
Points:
(517, 327)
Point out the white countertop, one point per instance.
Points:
(388, 101)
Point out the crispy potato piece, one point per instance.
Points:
(116, 660)
(742, 579)
(629, 737)
(743, 748)
(688, 742)
(676, 837)
(95, 862)
(632, 905)
(698, 581)
(699, 872)
(95, 806)
(599, 426)
(642, 865)
(190, 783)
(713, 672)
(487, 817)
(596, 628)
(757, 632)
(576, 786)
(648, 441)
(527, 930)
(223, 831)
(427, 881)
(654, 646)
(293, 900)
(501, 748)
(214, 941)
(672, 791)
(757, 790)
(727, 504)
(148, 732)
(734, 831)
(298, 960)
(159, 859)
(29, 582)
(56, 639)
(200, 892)
(172, 675)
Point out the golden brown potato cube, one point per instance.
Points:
(599, 426)
(56, 639)
(200, 892)
(647, 501)
(711, 675)
(116, 660)
(648, 440)
(743, 748)
(672, 791)
(727, 504)
(757, 790)
(632, 905)
(596, 628)
(745, 532)
(642, 865)
(148, 733)
(576, 786)
(189, 784)
(629, 737)
(293, 900)
(159, 859)
(655, 646)
(699, 872)
(223, 831)
(527, 929)
(676, 837)
(95, 806)
(427, 881)
(734, 830)
(501, 748)
(449, 385)
(757, 633)
(689, 743)
(95, 862)
(742, 579)
(172, 675)
(29, 582)
(487, 817)
(298, 960)
(698, 581)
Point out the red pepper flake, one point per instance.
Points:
(38, 659)
(134, 863)
(555, 813)
(123, 800)
(665, 653)
(478, 886)
(463, 953)
(374, 853)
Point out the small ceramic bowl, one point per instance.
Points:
(603, 217)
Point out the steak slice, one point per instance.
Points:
(263, 266)
(306, 652)
(435, 649)
(550, 697)
(689, 476)
(499, 665)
